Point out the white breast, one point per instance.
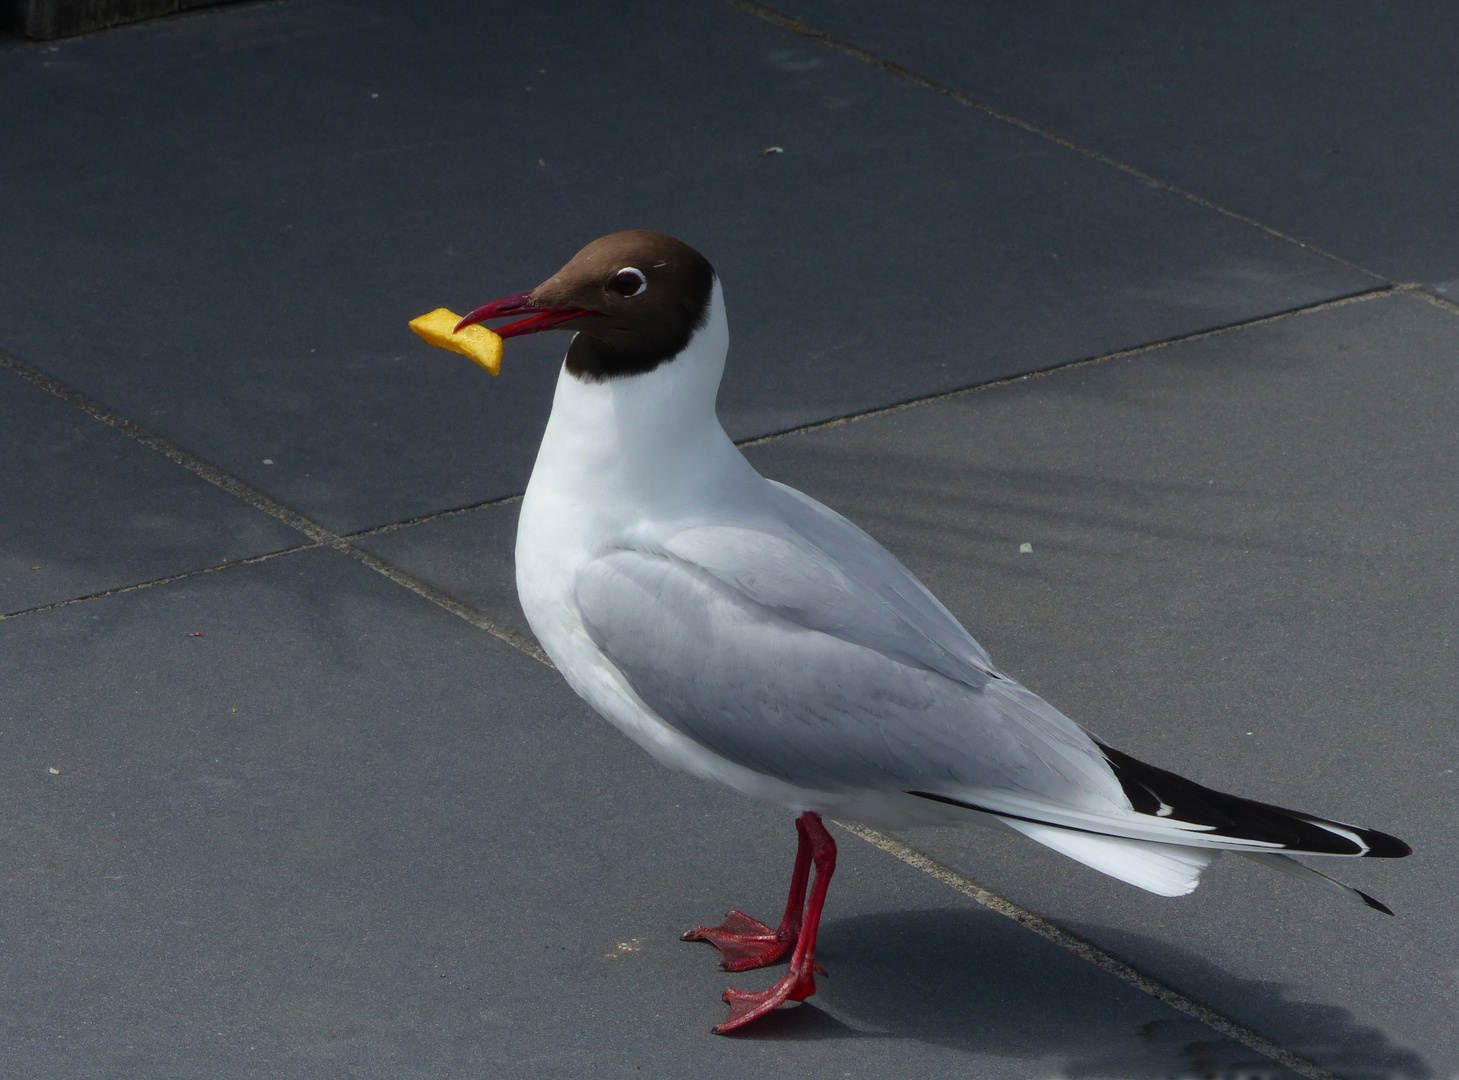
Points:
(622, 463)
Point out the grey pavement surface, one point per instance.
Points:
(85, 508)
(411, 851)
(248, 206)
(1328, 121)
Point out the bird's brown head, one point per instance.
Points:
(634, 297)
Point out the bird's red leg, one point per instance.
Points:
(746, 943)
(799, 982)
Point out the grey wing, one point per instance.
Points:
(815, 708)
(813, 566)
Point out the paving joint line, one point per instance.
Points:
(1423, 293)
(168, 580)
(425, 519)
(786, 21)
(1103, 358)
(251, 495)
(1093, 954)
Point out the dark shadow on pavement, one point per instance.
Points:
(977, 983)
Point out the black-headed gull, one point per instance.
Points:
(741, 631)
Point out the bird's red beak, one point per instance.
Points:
(540, 318)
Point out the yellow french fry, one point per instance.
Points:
(477, 342)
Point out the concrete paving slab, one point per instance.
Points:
(83, 508)
(346, 834)
(1241, 569)
(1332, 122)
(247, 205)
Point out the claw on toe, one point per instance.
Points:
(795, 986)
(743, 942)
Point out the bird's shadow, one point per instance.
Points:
(975, 982)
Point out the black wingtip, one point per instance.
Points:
(1383, 846)
(1374, 902)
(1152, 790)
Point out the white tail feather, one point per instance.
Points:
(1163, 869)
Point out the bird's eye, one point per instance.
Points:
(629, 282)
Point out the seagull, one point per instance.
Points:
(742, 632)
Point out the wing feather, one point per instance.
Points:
(809, 564)
(789, 691)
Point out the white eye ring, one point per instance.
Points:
(629, 275)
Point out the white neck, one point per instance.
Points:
(616, 449)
